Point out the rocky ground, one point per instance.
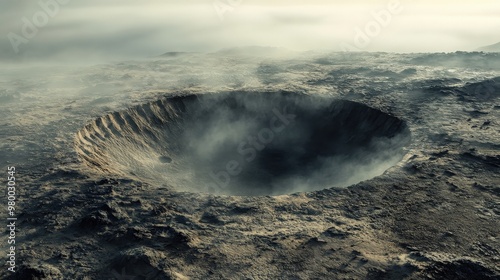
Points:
(435, 215)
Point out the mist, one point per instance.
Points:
(91, 53)
(93, 31)
(246, 143)
(279, 143)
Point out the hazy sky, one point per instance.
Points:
(128, 29)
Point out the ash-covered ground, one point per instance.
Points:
(433, 214)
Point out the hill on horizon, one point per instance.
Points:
(491, 48)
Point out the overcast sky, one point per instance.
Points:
(122, 29)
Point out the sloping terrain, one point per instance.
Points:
(245, 143)
(491, 48)
(82, 214)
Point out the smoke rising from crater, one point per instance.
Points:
(246, 143)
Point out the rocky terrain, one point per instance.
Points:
(434, 214)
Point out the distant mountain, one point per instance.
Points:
(491, 48)
(488, 60)
(256, 51)
(175, 54)
(236, 51)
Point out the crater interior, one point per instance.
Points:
(245, 143)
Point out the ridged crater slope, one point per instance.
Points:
(244, 143)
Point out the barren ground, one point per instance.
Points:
(435, 215)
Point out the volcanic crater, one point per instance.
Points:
(245, 143)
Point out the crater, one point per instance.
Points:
(245, 143)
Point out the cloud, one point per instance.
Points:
(132, 29)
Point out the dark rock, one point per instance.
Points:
(36, 272)
(94, 220)
(461, 269)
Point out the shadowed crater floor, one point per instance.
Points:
(243, 143)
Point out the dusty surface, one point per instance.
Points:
(245, 143)
(435, 215)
